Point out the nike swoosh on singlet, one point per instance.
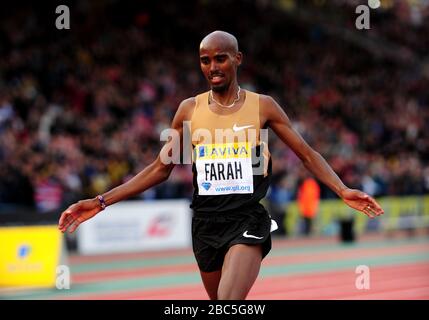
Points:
(235, 128)
(245, 234)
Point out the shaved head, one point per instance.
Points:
(219, 60)
(221, 40)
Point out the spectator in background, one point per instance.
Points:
(308, 198)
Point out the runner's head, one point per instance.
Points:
(219, 59)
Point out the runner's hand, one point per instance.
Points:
(78, 213)
(362, 202)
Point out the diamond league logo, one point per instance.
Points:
(206, 185)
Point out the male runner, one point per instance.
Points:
(232, 167)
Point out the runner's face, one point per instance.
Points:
(219, 66)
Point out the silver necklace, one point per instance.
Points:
(230, 105)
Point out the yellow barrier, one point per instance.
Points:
(29, 256)
(330, 211)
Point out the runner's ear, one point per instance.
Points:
(239, 58)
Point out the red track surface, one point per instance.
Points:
(281, 260)
(395, 282)
(408, 281)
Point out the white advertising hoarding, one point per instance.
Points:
(137, 226)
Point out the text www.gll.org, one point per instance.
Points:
(233, 188)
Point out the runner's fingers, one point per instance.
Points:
(373, 212)
(375, 206)
(372, 207)
(63, 217)
(368, 212)
(71, 210)
(376, 209)
(67, 222)
(74, 226)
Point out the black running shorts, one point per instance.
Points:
(214, 233)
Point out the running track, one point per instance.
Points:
(316, 268)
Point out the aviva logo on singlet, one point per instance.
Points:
(224, 168)
(222, 151)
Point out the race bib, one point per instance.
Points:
(224, 168)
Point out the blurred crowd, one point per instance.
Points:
(81, 110)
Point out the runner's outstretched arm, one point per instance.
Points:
(150, 176)
(273, 116)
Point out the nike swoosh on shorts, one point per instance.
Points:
(246, 235)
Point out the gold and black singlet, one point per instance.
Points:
(231, 164)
